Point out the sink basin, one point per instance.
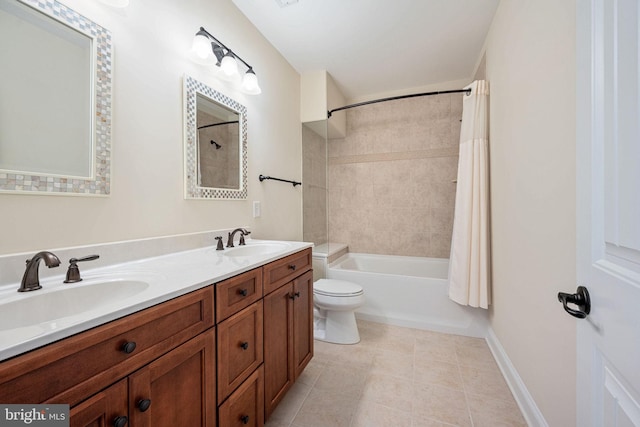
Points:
(255, 249)
(66, 301)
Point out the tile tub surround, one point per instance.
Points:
(314, 187)
(390, 179)
(400, 377)
(172, 266)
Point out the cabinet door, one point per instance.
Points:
(105, 409)
(302, 321)
(239, 348)
(278, 348)
(178, 389)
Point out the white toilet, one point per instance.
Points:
(335, 302)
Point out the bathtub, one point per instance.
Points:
(408, 291)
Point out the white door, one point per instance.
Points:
(608, 211)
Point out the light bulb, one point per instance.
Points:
(201, 45)
(250, 82)
(229, 65)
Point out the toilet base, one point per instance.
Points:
(337, 327)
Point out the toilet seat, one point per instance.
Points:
(336, 288)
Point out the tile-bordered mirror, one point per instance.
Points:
(215, 144)
(55, 118)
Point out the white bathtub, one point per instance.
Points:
(408, 291)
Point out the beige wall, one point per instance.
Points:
(530, 65)
(151, 39)
(390, 179)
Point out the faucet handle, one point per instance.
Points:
(242, 234)
(73, 273)
(220, 246)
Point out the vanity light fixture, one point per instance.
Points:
(208, 50)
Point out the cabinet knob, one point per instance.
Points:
(128, 347)
(243, 292)
(244, 419)
(143, 404)
(120, 421)
(294, 295)
(244, 345)
(292, 267)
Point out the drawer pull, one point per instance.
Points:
(243, 292)
(143, 404)
(128, 347)
(120, 421)
(244, 419)
(292, 267)
(244, 345)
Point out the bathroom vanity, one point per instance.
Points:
(223, 354)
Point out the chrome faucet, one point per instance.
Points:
(243, 233)
(30, 280)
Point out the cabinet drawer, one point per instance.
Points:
(239, 348)
(71, 369)
(245, 407)
(236, 293)
(286, 269)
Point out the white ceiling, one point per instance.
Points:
(377, 46)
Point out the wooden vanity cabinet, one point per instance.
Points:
(288, 336)
(165, 354)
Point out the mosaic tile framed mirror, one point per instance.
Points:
(215, 144)
(55, 114)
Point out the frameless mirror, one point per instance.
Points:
(55, 100)
(215, 144)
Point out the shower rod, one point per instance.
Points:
(393, 98)
(218, 124)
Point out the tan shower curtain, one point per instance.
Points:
(469, 266)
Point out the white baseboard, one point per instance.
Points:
(530, 411)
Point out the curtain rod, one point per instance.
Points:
(393, 98)
(218, 124)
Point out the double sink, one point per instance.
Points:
(59, 310)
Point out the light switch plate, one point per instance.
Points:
(256, 209)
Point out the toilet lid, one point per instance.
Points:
(331, 287)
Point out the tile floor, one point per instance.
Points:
(400, 377)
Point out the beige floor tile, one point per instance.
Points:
(289, 405)
(394, 392)
(440, 404)
(370, 414)
(486, 382)
(400, 377)
(344, 379)
(475, 352)
(437, 373)
(424, 422)
(433, 347)
(326, 409)
(393, 363)
(311, 373)
(488, 412)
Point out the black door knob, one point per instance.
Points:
(243, 292)
(244, 345)
(244, 419)
(580, 298)
(128, 347)
(144, 404)
(120, 421)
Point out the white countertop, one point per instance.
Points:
(168, 276)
